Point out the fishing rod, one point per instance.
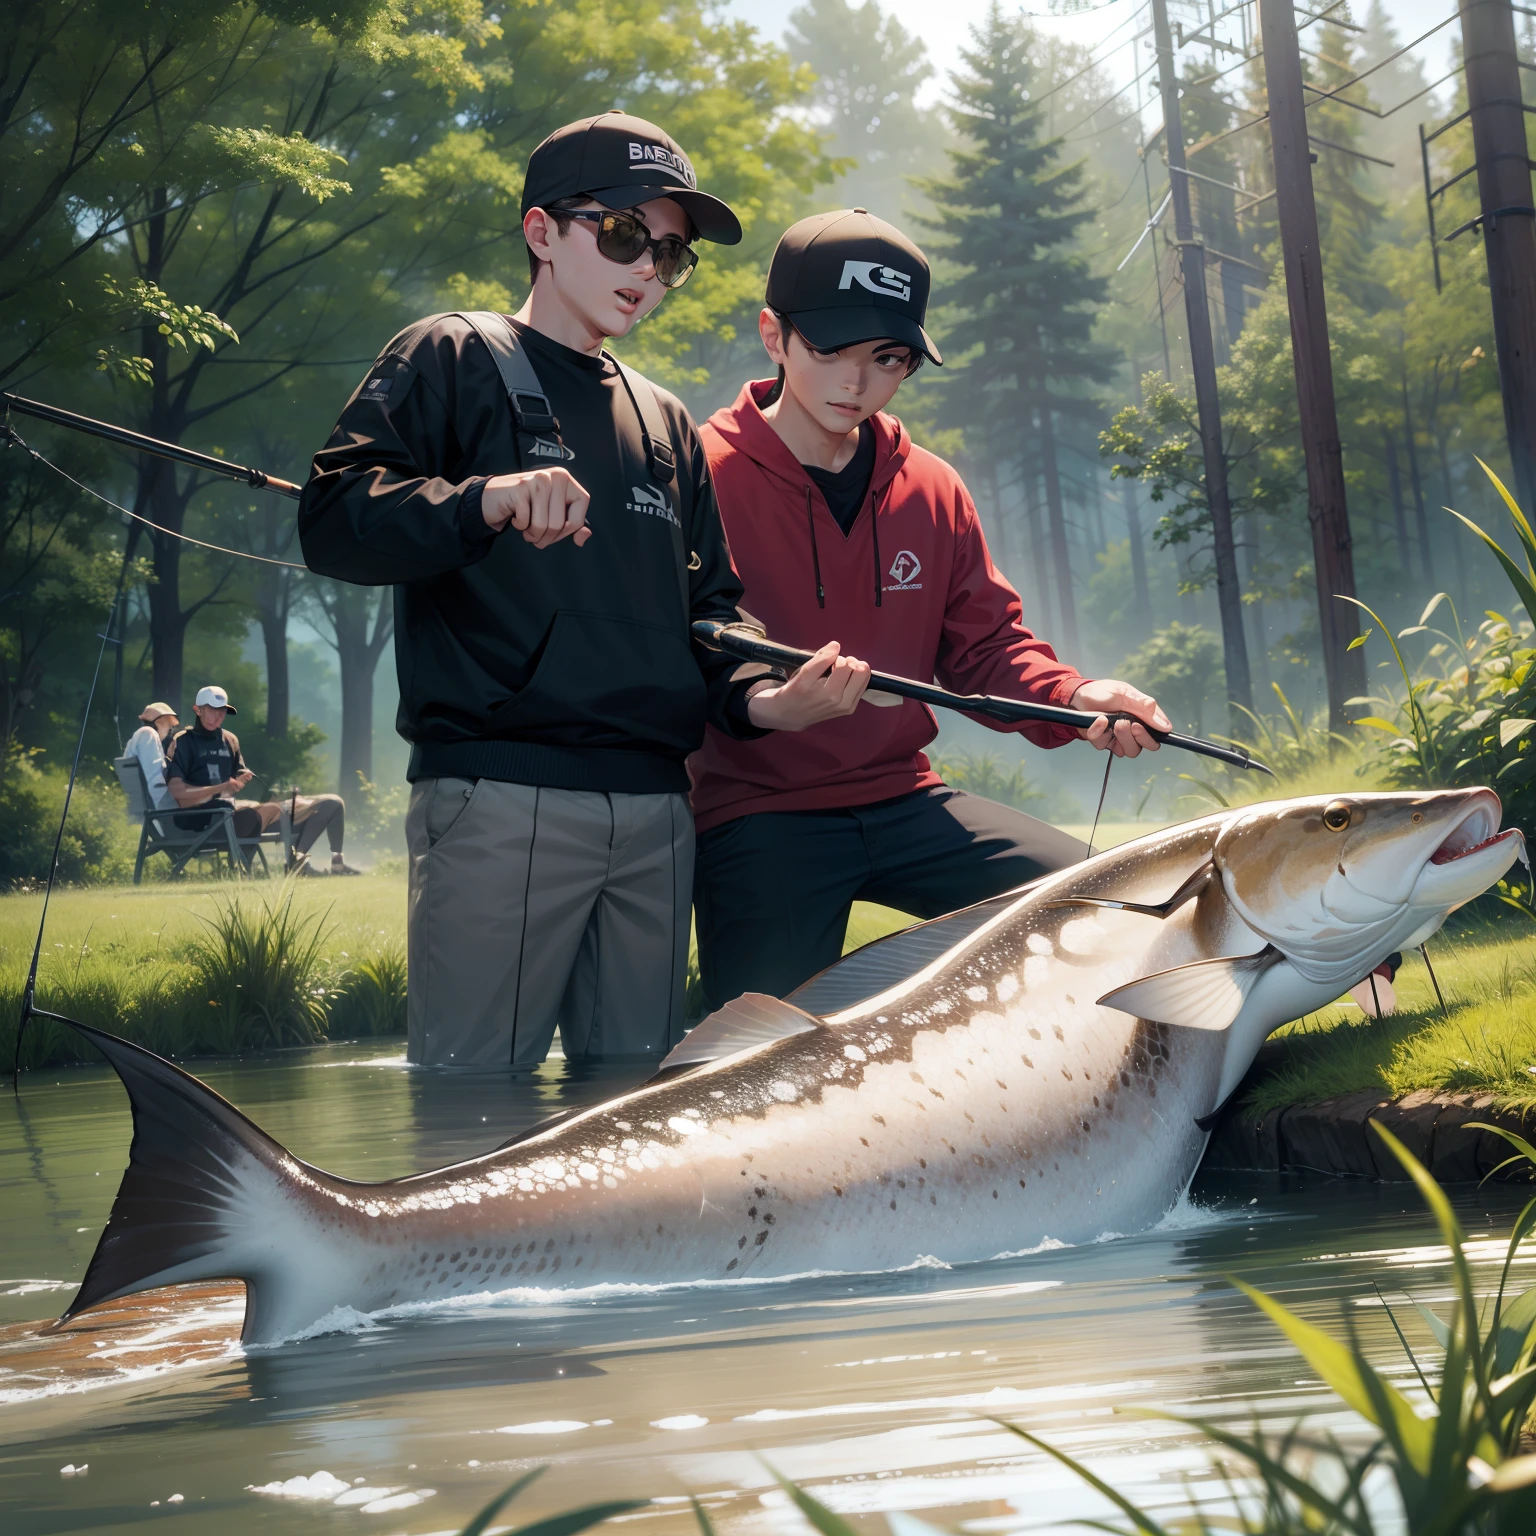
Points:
(259, 479)
(752, 644)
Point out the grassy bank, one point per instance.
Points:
(1484, 1043)
(195, 969)
(215, 969)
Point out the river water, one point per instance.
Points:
(878, 1393)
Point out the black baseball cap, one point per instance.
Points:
(621, 161)
(846, 277)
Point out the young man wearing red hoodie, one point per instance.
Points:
(843, 530)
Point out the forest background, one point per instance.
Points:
(213, 215)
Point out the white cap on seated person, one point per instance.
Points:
(215, 698)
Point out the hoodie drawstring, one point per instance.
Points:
(874, 534)
(810, 522)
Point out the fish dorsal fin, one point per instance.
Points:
(753, 1019)
(887, 962)
(1208, 994)
(1191, 888)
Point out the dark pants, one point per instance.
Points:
(314, 814)
(247, 820)
(772, 892)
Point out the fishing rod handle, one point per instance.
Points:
(752, 644)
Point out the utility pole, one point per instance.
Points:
(1327, 510)
(1508, 221)
(1202, 362)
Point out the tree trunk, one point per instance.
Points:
(1138, 557)
(1449, 487)
(1061, 557)
(999, 518)
(1255, 609)
(360, 636)
(167, 623)
(1029, 489)
(1399, 512)
(274, 604)
(1416, 480)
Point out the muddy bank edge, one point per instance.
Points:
(1334, 1136)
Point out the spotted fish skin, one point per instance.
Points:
(988, 1104)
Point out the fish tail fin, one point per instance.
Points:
(207, 1195)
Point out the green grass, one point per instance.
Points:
(1487, 1044)
(217, 968)
(198, 969)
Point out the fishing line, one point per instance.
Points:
(29, 1010)
(218, 549)
(1093, 831)
(1434, 980)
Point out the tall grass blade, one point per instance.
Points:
(1523, 529)
(1354, 1380)
(827, 1521)
(477, 1526)
(1525, 588)
(569, 1521)
(1139, 1518)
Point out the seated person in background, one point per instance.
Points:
(206, 770)
(312, 815)
(148, 745)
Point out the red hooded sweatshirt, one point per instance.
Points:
(911, 590)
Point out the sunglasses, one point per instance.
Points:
(621, 237)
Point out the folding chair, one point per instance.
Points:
(216, 839)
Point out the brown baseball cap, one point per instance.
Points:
(152, 712)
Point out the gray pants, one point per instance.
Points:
(534, 907)
(314, 814)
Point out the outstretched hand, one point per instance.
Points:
(826, 687)
(1125, 738)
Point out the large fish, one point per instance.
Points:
(1036, 1067)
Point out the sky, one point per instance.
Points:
(945, 26)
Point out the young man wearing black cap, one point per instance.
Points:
(547, 520)
(840, 526)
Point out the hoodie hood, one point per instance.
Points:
(743, 427)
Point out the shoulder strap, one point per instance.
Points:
(538, 431)
(660, 456)
(660, 459)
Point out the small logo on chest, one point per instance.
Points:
(905, 569)
(652, 502)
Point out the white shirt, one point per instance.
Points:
(145, 744)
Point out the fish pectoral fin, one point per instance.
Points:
(753, 1019)
(1191, 888)
(1208, 994)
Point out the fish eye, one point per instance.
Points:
(1336, 816)
(1418, 816)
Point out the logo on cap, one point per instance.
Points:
(877, 278)
(643, 156)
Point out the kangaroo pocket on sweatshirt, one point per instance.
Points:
(602, 681)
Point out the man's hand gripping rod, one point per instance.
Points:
(752, 644)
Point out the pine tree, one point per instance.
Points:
(1008, 217)
(869, 69)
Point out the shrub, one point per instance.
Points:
(1180, 666)
(98, 841)
(258, 970)
(369, 998)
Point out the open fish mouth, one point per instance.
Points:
(1477, 829)
(1472, 853)
(1456, 846)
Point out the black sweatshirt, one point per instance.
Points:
(565, 667)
